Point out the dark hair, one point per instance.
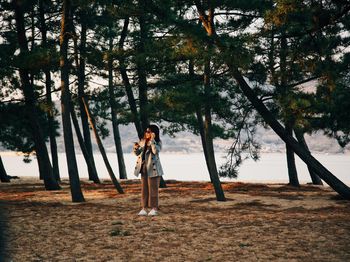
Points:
(155, 130)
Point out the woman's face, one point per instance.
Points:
(148, 133)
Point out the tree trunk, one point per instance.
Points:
(206, 135)
(292, 170)
(102, 150)
(3, 175)
(209, 136)
(141, 69)
(91, 168)
(126, 82)
(283, 97)
(314, 164)
(29, 96)
(50, 113)
(316, 180)
(112, 103)
(77, 195)
(199, 117)
(81, 93)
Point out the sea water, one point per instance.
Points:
(271, 168)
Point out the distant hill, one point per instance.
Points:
(185, 142)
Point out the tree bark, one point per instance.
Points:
(3, 175)
(316, 180)
(284, 96)
(199, 117)
(209, 136)
(141, 69)
(102, 150)
(112, 103)
(29, 97)
(206, 133)
(50, 113)
(77, 195)
(292, 170)
(81, 93)
(91, 168)
(126, 82)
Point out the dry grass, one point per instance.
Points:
(257, 223)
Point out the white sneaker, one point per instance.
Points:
(154, 212)
(143, 212)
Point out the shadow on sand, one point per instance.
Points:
(3, 226)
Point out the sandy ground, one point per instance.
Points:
(257, 223)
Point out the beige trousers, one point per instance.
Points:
(149, 190)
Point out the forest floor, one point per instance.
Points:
(258, 222)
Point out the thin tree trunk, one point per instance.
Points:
(77, 195)
(209, 136)
(3, 175)
(204, 144)
(50, 114)
(28, 91)
(102, 150)
(316, 180)
(112, 103)
(80, 65)
(199, 117)
(91, 168)
(292, 170)
(206, 136)
(81, 93)
(284, 96)
(126, 82)
(141, 69)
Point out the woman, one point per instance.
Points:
(148, 164)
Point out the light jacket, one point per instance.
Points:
(152, 161)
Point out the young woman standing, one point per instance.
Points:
(148, 164)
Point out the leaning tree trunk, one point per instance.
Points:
(50, 113)
(199, 117)
(314, 164)
(81, 93)
(316, 180)
(102, 150)
(3, 175)
(126, 82)
(91, 168)
(112, 103)
(77, 195)
(30, 100)
(292, 169)
(209, 135)
(269, 118)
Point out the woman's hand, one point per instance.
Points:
(136, 146)
(153, 136)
